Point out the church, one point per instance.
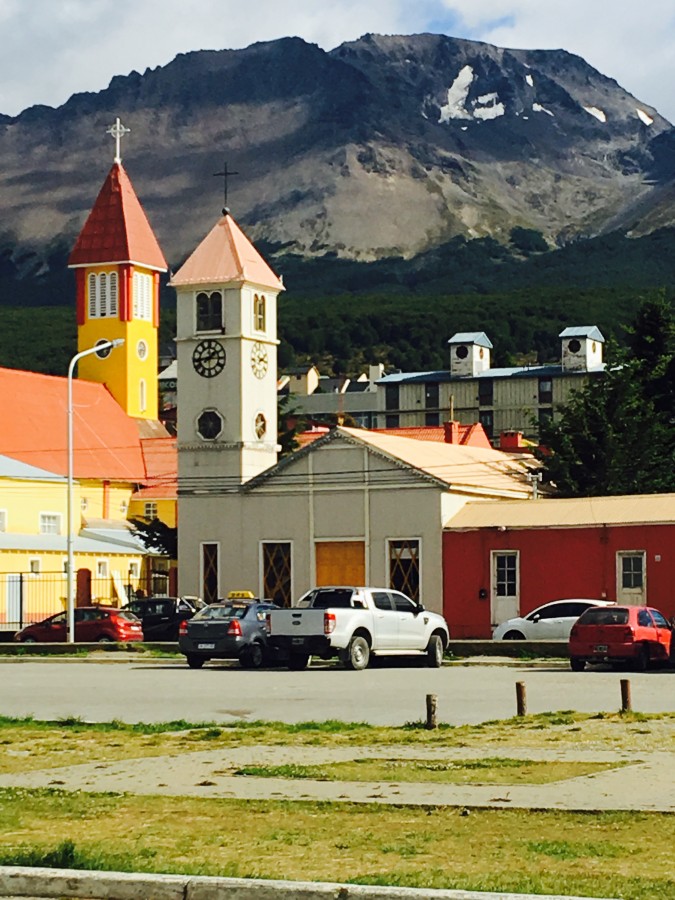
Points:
(354, 507)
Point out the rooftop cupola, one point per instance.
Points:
(469, 353)
(581, 348)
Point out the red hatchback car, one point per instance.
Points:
(620, 634)
(93, 624)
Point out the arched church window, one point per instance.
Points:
(210, 311)
(102, 295)
(142, 304)
(259, 312)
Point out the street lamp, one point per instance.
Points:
(103, 350)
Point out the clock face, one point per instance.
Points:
(208, 358)
(259, 360)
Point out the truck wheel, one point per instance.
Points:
(298, 661)
(358, 653)
(435, 652)
(195, 662)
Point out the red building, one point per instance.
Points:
(504, 558)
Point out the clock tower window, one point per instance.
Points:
(259, 312)
(210, 311)
(102, 295)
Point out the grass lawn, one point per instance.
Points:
(616, 854)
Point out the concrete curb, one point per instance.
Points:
(20, 881)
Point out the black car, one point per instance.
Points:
(230, 629)
(161, 616)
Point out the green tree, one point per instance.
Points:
(157, 536)
(616, 435)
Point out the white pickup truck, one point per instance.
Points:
(355, 623)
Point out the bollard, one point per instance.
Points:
(626, 702)
(521, 699)
(432, 701)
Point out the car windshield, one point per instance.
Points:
(226, 611)
(602, 615)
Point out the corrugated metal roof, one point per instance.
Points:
(34, 430)
(117, 229)
(14, 468)
(442, 377)
(460, 467)
(471, 337)
(46, 543)
(631, 509)
(226, 255)
(586, 331)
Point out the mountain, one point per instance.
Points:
(385, 146)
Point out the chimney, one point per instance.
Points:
(511, 440)
(452, 429)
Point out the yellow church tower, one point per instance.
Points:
(117, 263)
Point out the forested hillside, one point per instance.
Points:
(344, 315)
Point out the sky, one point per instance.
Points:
(52, 49)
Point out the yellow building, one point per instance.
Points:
(33, 548)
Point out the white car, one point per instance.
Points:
(550, 622)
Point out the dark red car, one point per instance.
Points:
(638, 635)
(93, 624)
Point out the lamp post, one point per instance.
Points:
(103, 350)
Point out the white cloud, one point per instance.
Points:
(54, 49)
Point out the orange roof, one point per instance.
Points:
(226, 255)
(117, 229)
(468, 435)
(35, 427)
(161, 468)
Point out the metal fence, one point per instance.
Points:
(27, 597)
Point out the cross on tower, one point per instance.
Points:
(118, 131)
(225, 174)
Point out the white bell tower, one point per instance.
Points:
(226, 339)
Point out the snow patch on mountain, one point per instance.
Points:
(598, 113)
(530, 80)
(644, 117)
(457, 94)
(537, 107)
(488, 107)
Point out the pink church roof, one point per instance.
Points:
(117, 229)
(226, 255)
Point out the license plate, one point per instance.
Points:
(601, 648)
(206, 646)
(297, 642)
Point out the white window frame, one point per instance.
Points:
(102, 568)
(388, 541)
(630, 594)
(102, 299)
(142, 395)
(58, 521)
(261, 562)
(219, 570)
(3, 520)
(134, 569)
(260, 301)
(150, 510)
(34, 565)
(142, 287)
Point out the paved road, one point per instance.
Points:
(392, 695)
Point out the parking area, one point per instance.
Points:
(166, 690)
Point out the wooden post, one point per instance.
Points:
(626, 702)
(432, 701)
(521, 699)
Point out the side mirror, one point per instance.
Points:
(536, 617)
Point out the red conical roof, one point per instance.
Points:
(117, 229)
(226, 255)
